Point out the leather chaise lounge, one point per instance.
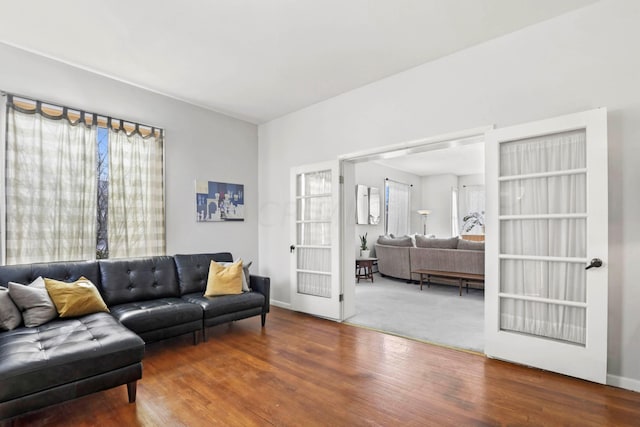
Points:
(149, 299)
(65, 358)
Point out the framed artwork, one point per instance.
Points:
(219, 201)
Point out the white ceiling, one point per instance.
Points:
(457, 160)
(260, 59)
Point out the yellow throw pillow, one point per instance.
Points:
(75, 299)
(224, 280)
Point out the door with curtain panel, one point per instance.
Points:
(546, 244)
(315, 247)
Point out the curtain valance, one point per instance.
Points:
(77, 116)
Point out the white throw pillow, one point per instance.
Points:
(10, 317)
(34, 302)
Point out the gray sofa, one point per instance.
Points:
(149, 299)
(397, 257)
(394, 257)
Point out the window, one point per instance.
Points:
(80, 185)
(472, 208)
(102, 242)
(455, 228)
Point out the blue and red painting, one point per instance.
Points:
(219, 201)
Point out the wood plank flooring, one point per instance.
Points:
(304, 371)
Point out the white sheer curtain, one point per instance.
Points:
(50, 188)
(314, 229)
(455, 223)
(560, 236)
(136, 195)
(398, 208)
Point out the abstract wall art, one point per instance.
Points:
(219, 201)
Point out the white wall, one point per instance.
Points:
(474, 179)
(436, 197)
(578, 61)
(373, 175)
(200, 144)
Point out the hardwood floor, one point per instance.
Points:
(304, 371)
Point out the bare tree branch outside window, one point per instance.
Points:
(102, 244)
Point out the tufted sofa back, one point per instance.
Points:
(126, 280)
(64, 271)
(138, 279)
(193, 270)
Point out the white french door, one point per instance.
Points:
(546, 244)
(315, 265)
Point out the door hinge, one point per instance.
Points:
(341, 179)
(341, 298)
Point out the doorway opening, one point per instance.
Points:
(445, 181)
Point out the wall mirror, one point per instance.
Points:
(367, 205)
(362, 204)
(374, 205)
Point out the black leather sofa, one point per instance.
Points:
(150, 299)
(193, 271)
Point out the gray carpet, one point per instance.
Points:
(436, 314)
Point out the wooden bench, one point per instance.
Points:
(467, 277)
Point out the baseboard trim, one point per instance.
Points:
(281, 304)
(623, 382)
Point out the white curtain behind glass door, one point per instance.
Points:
(313, 239)
(562, 236)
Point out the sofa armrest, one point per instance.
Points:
(261, 284)
(394, 261)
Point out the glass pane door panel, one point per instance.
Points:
(314, 233)
(548, 153)
(314, 208)
(543, 319)
(315, 259)
(564, 281)
(314, 183)
(544, 237)
(314, 284)
(548, 195)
